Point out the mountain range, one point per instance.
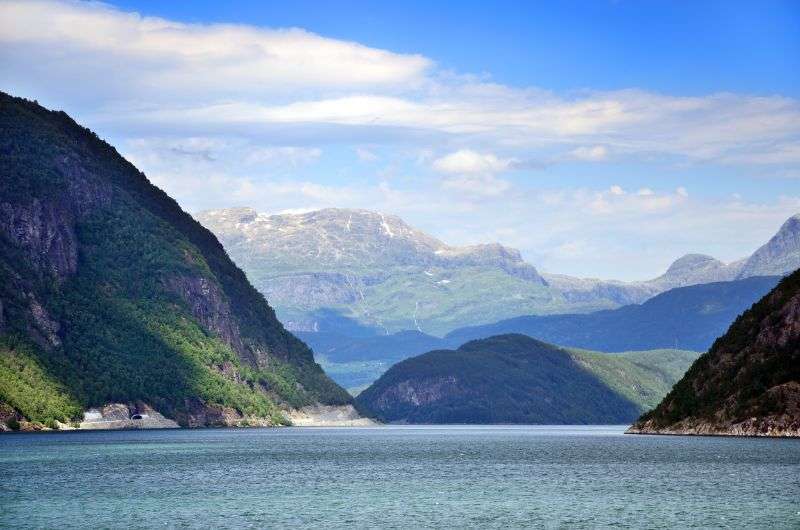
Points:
(380, 272)
(115, 302)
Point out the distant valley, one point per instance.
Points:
(687, 318)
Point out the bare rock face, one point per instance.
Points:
(418, 392)
(198, 413)
(313, 289)
(46, 231)
(45, 228)
(210, 307)
(749, 381)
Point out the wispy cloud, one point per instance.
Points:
(467, 161)
(193, 77)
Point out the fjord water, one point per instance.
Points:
(402, 477)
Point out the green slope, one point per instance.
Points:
(109, 292)
(516, 379)
(642, 377)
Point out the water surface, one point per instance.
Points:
(396, 477)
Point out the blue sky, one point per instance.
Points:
(684, 48)
(602, 139)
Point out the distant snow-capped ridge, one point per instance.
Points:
(351, 238)
(375, 268)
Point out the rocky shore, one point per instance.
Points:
(755, 427)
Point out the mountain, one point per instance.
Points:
(114, 299)
(779, 256)
(516, 379)
(687, 318)
(376, 270)
(693, 269)
(749, 381)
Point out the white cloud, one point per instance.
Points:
(168, 56)
(293, 156)
(365, 155)
(594, 153)
(467, 161)
(243, 79)
(477, 185)
(616, 190)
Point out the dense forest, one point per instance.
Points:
(750, 374)
(517, 379)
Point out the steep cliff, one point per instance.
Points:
(749, 381)
(110, 293)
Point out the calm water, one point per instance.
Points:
(409, 477)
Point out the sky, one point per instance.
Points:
(601, 139)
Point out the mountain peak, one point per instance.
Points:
(371, 266)
(693, 269)
(780, 255)
(689, 261)
(792, 224)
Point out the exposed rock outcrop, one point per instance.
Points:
(780, 255)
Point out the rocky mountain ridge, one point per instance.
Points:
(381, 272)
(369, 266)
